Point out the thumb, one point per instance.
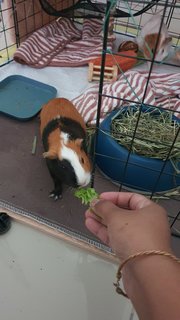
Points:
(106, 210)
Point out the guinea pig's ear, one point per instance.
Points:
(51, 154)
(78, 142)
(166, 40)
(149, 44)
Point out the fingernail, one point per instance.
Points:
(94, 212)
(93, 202)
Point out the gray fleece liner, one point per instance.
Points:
(25, 183)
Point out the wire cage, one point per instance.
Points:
(18, 19)
(108, 156)
(21, 18)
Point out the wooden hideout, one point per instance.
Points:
(113, 66)
(110, 73)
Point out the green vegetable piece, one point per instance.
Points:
(34, 145)
(86, 195)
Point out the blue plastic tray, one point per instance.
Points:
(22, 98)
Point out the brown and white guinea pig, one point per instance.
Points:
(149, 36)
(63, 133)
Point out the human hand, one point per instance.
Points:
(128, 223)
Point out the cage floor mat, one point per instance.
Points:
(25, 184)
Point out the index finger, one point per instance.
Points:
(126, 200)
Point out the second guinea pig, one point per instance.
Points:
(63, 133)
(150, 35)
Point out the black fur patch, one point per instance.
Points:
(72, 127)
(61, 172)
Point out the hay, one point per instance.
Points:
(156, 131)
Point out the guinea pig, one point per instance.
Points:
(149, 36)
(63, 133)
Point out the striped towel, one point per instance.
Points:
(163, 90)
(62, 44)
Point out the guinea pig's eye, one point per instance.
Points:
(82, 160)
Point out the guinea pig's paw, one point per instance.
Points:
(55, 195)
(45, 154)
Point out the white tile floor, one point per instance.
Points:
(45, 278)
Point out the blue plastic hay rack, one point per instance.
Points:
(22, 98)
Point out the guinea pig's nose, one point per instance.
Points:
(86, 181)
(84, 184)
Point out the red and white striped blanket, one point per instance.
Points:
(62, 44)
(163, 91)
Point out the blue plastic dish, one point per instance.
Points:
(22, 98)
(141, 173)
